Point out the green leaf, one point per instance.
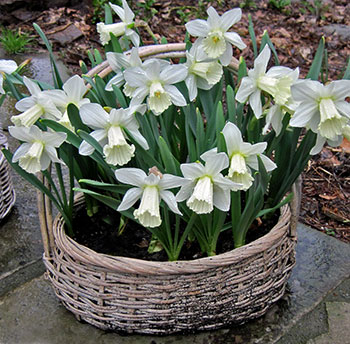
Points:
(117, 188)
(108, 14)
(279, 205)
(252, 35)
(316, 66)
(56, 74)
(120, 96)
(107, 200)
(346, 75)
(266, 40)
(231, 105)
(172, 166)
(90, 140)
(74, 118)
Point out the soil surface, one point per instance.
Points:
(295, 30)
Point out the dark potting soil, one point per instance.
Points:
(100, 233)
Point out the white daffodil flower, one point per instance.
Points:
(213, 35)
(151, 189)
(6, 66)
(120, 29)
(206, 187)
(276, 82)
(109, 132)
(38, 149)
(203, 72)
(119, 62)
(243, 155)
(73, 92)
(155, 81)
(283, 99)
(39, 104)
(323, 109)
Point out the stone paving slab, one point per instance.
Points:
(338, 323)
(32, 314)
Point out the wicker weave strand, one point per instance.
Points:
(7, 192)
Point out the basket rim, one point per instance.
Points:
(86, 255)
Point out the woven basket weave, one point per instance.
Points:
(136, 296)
(7, 193)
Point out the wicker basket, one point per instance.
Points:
(7, 193)
(136, 296)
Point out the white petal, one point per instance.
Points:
(185, 191)
(268, 163)
(58, 97)
(94, 116)
(192, 170)
(25, 104)
(133, 36)
(215, 163)
(8, 66)
(262, 59)
(169, 198)
(118, 10)
(214, 20)
(246, 88)
(176, 96)
(86, 149)
(54, 139)
(303, 114)
(191, 86)
(136, 77)
(226, 57)
(169, 181)
(99, 135)
(117, 60)
(21, 151)
(130, 198)
(235, 39)
(255, 103)
(197, 28)
(233, 137)
(230, 18)
(343, 107)
(222, 198)
(75, 88)
(21, 133)
(137, 136)
(340, 89)
(224, 183)
(320, 141)
(306, 90)
(2, 91)
(52, 156)
(118, 80)
(128, 14)
(33, 87)
(131, 176)
(173, 74)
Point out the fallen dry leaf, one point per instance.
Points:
(328, 197)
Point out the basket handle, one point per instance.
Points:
(45, 216)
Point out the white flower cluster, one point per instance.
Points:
(203, 186)
(151, 85)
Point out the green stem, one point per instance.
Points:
(185, 233)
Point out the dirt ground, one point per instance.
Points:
(295, 30)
